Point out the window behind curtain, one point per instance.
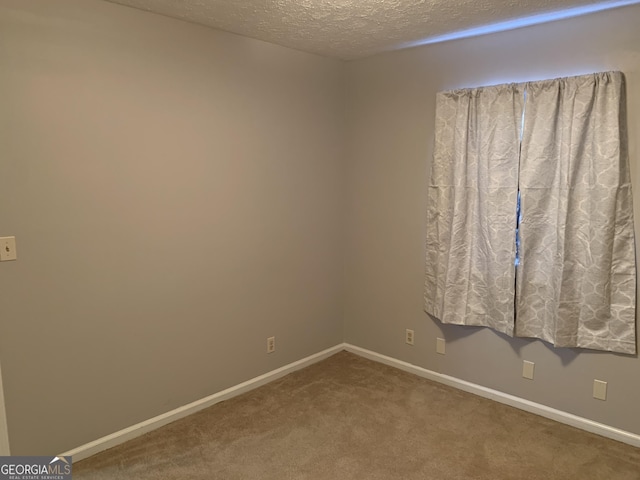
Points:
(539, 193)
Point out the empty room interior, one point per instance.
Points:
(238, 242)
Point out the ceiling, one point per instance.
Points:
(351, 29)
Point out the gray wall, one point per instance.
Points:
(390, 135)
(177, 196)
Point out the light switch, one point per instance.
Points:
(8, 249)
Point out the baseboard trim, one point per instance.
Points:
(513, 401)
(154, 423)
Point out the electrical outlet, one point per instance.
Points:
(409, 337)
(599, 389)
(271, 344)
(8, 249)
(440, 345)
(527, 369)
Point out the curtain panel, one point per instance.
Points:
(471, 220)
(560, 146)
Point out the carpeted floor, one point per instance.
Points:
(350, 418)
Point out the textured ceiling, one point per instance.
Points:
(350, 29)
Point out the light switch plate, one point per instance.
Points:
(8, 249)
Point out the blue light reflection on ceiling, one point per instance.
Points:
(522, 22)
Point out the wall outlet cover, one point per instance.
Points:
(271, 344)
(528, 369)
(409, 336)
(599, 390)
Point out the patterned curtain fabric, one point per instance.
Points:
(470, 274)
(575, 282)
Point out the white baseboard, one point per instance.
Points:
(154, 423)
(517, 402)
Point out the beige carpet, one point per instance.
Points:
(351, 418)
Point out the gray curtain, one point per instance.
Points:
(471, 216)
(575, 282)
